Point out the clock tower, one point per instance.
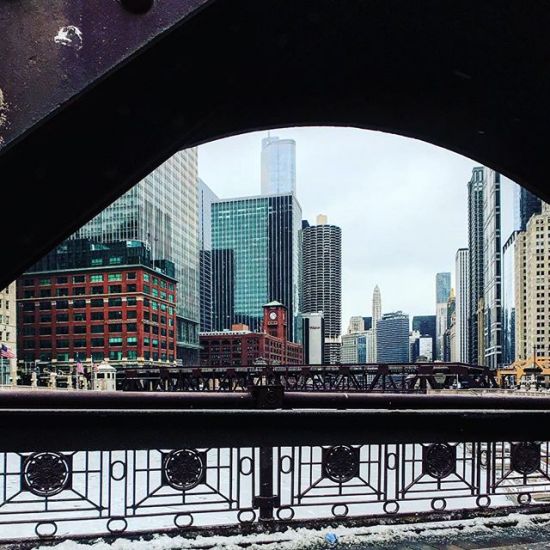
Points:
(275, 320)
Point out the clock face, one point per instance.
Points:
(273, 315)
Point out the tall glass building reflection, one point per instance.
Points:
(509, 301)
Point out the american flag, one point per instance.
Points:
(6, 352)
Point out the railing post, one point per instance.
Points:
(266, 500)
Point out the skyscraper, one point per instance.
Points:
(526, 205)
(278, 166)
(162, 211)
(425, 325)
(393, 338)
(442, 293)
(356, 324)
(376, 316)
(322, 280)
(462, 304)
(263, 235)
(475, 247)
(206, 197)
(509, 300)
(492, 253)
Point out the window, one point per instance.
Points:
(62, 356)
(79, 303)
(155, 292)
(146, 277)
(62, 292)
(96, 262)
(115, 277)
(115, 341)
(115, 302)
(146, 341)
(96, 316)
(28, 282)
(155, 281)
(155, 318)
(80, 329)
(29, 331)
(28, 294)
(163, 295)
(45, 281)
(62, 304)
(162, 283)
(146, 315)
(170, 298)
(115, 314)
(45, 305)
(131, 275)
(30, 319)
(115, 260)
(44, 331)
(132, 341)
(132, 354)
(79, 279)
(97, 356)
(45, 293)
(154, 305)
(155, 330)
(131, 288)
(163, 320)
(79, 290)
(80, 316)
(97, 290)
(115, 355)
(97, 329)
(146, 328)
(115, 289)
(61, 317)
(62, 280)
(163, 307)
(45, 344)
(131, 315)
(80, 343)
(131, 301)
(96, 302)
(131, 327)
(62, 330)
(97, 278)
(155, 343)
(62, 343)
(97, 342)
(115, 327)
(147, 289)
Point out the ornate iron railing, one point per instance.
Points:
(376, 378)
(86, 464)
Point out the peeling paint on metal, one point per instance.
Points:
(69, 36)
(3, 114)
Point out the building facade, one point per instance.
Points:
(492, 258)
(393, 338)
(475, 272)
(532, 267)
(278, 166)
(88, 301)
(322, 280)
(462, 279)
(509, 300)
(313, 338)
(162, 211)
(242, 347)
(526, 205)
(425, 325)
(357, 348)
(356, 324)
(442, 293)
(8, 332)
(376, 316)
(263, 235)
(205, 199)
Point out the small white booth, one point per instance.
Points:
(105, 378)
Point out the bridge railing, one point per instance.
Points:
(79, 465)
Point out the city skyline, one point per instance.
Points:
(366, 161)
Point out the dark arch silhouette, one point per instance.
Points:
(469, 76)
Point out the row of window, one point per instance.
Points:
(98, 277)
(99, 356)
(97, 343)
(82, 291)
(97, 302)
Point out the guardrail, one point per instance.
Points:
(84, 464)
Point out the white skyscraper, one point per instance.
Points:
(462, 304)
(376, 316)
(278, 165)
(442, 293)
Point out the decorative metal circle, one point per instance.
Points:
(525, 458)
(118, 465)
(283, 516)
(391, 507)
(524, 498)
(343, 513)
(286, 467)
(341, 463)
(483, 458)
(188, 520)
(39, 529)
(111, 525)
(246, 466)
(46, 474)
(438, 504)
(483, 501)
(391, 461)
(242, 519)
(184, 469)
(439, 460)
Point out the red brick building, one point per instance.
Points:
(241, 347)
(122, 311)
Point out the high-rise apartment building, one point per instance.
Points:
(475, 272)
(357, 348)
(462, 279)
(376, 316)
(162, 211)
(509, 300)
(263, 235)
(532, 268)
(205, 199)
(322, 280)
(313, 332)
(492, 255)
(393, 338)
(442, 293)
(278, 166)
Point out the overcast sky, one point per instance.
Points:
(401, 204)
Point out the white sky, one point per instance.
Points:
(401, 204)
